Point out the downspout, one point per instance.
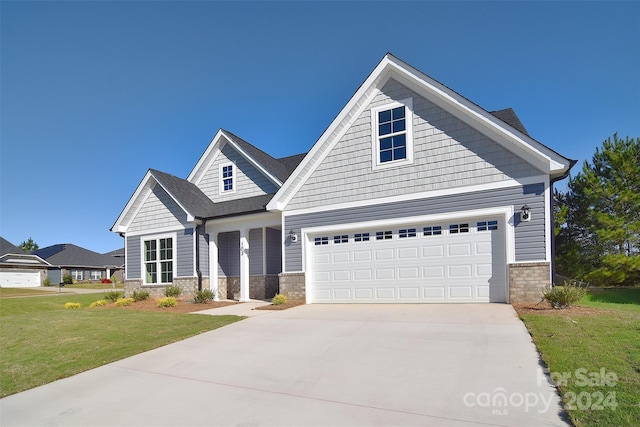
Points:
(572, 163)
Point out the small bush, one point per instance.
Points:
(114, 279)
(71, 305)
(167, 302)
(203, 296)
(140, 295)
(105, 280)
(279, 299)
(46, 282)
(99, 303)
(122, 302)
(172, 291)
(113, 296)
(564, 296)
(67, 279)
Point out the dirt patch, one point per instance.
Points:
(544, 307)
(184, 306)
(279, 306)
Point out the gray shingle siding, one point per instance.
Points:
(249, 181)
(159, 211)
(184, 253)
(447, 153)
(274, 251)
(255, 252)
(529, 236)
(204, 254)
(133, 262)
(229, 254)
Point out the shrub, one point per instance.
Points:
(67, 279)
(71, 305)
(172, 291)
(564, 296)
(121, 302)
(167, 302)
(46, 282)
(279, 299)
(140, 295)
(203, 296)
(113, 296)
(99, 303)
(105, 280)
(114, 279)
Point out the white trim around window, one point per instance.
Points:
(158, 258)
(227, 178)
(387, 151)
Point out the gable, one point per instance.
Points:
(158, 210)
(447, 153)
(249, 181)
(460, 111)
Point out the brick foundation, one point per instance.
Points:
(260, 287)
(527, 281)
(189, 286)
(292, 286)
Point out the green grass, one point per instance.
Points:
(21, 292)
(41, 341)
(609, 340)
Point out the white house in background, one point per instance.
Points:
(412, 194)
(19, 269)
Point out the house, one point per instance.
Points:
(19, 269)
(412, 194)
(81, 264)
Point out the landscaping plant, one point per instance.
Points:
(140, 294)
(122, 302)
(71, 305)
(99, 303)
(167, 302)
(113, 296)
(203, 296)
(564, 296)
(279, 299)
(172, 291)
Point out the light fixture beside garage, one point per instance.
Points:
(293, 236)
(525, 213)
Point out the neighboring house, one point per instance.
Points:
(412, 194)
(19, 269)
(81, 264)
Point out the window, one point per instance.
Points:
(361, 237)
(384, 235)
(227, 181)
(344, 238)
(487, 225)
(96, 275)
(77, 274)
(435, 230)
(410, 232)
(458, 228)
(321, 241)
(392, 136)
(158, 260)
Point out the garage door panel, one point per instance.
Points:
(19, 279)
(411, 266)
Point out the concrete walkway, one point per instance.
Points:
(323, 365)
(246, 309)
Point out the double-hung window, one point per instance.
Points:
(96, 275)
(158, 260)
(392, 135)
(227, 178)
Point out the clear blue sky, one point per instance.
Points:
(95, 93)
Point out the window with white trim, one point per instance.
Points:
(458, 228)
(77, 274)
(343, 238)
(158, 260)
(227, 178)
(96, 275)
(392, 133)
(320, 241)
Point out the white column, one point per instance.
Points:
(213, 265)
(244, 265)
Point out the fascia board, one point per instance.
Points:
(251, 160)
(119, 226)
(339, 125)
(203, 158)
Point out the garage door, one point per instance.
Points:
(461, 261)
(19, 279)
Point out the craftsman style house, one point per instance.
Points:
(412, 194)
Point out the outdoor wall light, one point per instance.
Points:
(293, 236)
(525, 213)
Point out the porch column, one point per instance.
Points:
(244, 265)
(213, 265)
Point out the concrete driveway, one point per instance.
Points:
(444, 365)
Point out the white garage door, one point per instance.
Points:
(461, 261)
(19, 279)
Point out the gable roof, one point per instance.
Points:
(69, 255)
(11, 254)
(502, 127)
(7, 247)
(190, 198)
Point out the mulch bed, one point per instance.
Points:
(184, 306)
(544, 307)
(279, 306)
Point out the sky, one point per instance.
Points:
(93, 94)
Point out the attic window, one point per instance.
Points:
(392, 134)
(227, 178)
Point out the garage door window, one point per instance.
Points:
(458, 228)
(435, 230)
(344, 238)
(384, 235)
(487, 225)
(321, 241)
(361, 237)
(408, 232)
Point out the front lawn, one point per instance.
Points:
(96, 285)
(41, 341)
(22, 292)
(593, 354)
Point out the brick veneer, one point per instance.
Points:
(189, 286)
(292, 286)
(527, 280)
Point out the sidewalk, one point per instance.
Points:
(240, 309)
